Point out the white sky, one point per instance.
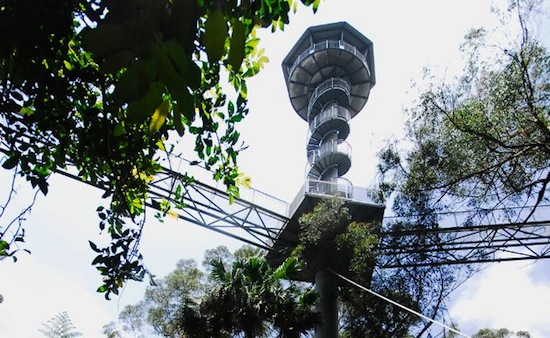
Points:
(407, 36)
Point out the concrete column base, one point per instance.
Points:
(325, 284)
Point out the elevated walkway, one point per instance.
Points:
(262, 220)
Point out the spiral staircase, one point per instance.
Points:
(329, 74)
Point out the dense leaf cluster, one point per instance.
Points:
(500, 333)
(479, 143)
(107, 88)
(482, 142)
(240, 296)
(330, 239)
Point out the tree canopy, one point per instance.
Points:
(481, 141)
(328, 236)
(500, 333)
(107, 89)
(240, 295)
(59, 326)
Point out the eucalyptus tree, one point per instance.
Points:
(109, 87)
(501, 333)
(482, 141)
(479, 142)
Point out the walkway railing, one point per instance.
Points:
(326, 86)
(334, 112)
(330, 44)
(325, 149)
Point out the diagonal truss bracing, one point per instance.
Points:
(255, 220)
(258, 218)
(464, 244)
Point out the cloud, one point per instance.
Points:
(504, 296)
(33, 299)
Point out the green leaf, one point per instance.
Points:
(26, 111)
(194, 77)
(159, 117)
(4, 245)
(10, 163)
(316, 4)
(215, 35)
(133, 84)
(176, 54)
(237, 45)
(187, 107)
(94, 246)
(43, 186)
(167, 72)
(119, 130)
(190, 72)
(177, 121)
(68, 65)
(98, 259)
(102, 288)
(140, 110)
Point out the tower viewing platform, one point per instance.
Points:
(329, 74)
(333, 51)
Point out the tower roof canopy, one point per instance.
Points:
(329, 51)
(331, 31)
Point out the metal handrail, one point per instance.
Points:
(330, 84)
(330, 44)
(339, 186)
(334, 146)
(334, 112)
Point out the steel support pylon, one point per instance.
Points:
(329, 74)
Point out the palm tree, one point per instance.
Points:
(250, 300)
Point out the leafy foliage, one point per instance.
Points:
(110, 330)
(240, 296)
(329, 237)
(109, 87)
(424, 289)
(482, 141)
(500, 333)
(248, 300)
(365, 315)
(478, 143)
(60, 326)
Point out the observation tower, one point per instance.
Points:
(329, 74)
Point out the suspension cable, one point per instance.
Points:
(399, 305)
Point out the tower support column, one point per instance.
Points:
(326, 286)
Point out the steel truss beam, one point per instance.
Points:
(255, 220)
(465, 245)
(209, 207)
(257, 224)
(259, 219)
